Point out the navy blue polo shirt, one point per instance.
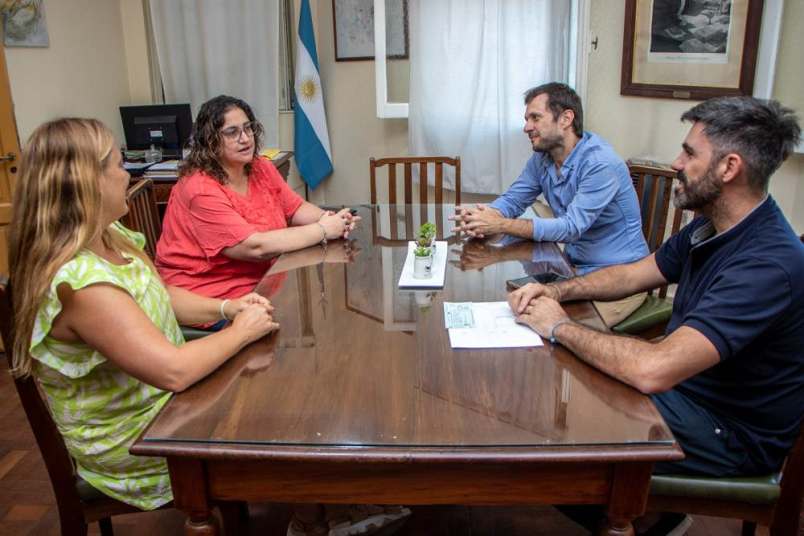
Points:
(744, 291)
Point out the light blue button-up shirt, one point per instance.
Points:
(594, 202)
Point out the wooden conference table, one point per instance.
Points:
(358, 398)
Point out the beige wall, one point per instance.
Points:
(638, 126)
(82, 73)
(355, 132)
(93, 76)
(136, 51)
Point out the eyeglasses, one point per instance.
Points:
(234, 132)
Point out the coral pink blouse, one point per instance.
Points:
(204, 217)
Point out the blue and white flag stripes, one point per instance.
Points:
(313, 155)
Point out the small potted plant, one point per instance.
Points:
(423, 253)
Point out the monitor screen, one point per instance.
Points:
(166, 126)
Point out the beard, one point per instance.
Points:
(698, 194)
(547, 144)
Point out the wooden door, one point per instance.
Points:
(9, 159)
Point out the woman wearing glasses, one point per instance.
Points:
(231, 213)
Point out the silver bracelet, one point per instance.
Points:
(324, 233)
(552, 337)
(223, 314)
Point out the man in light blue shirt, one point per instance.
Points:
(585, 183)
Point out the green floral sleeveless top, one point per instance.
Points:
(99, 409)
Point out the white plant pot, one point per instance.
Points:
(422, 266)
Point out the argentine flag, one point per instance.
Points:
(313, 155)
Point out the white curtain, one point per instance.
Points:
(470, 63)
(212, 47)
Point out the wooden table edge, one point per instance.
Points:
(346, 454)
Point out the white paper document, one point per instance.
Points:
(494, 327)
(166, 165)
(437, 271)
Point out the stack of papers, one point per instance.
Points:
(168, 169)
(486, 325)
(167, 165)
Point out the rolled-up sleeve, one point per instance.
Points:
(522, 193)
(596, 188)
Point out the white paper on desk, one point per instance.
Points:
(437, 270)
(495, 327)
(167, 165)
(134, 166)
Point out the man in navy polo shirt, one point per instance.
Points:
(728, 378)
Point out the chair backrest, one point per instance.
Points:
(143, 214)
(408, 163)
(59, 464)
(788, 507)
(654, 187)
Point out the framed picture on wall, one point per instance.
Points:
(690, 49)
(24, 24)
(353, 22)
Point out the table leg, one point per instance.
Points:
(200, 524)
(628, 498)
(617, 527)
(188, 480)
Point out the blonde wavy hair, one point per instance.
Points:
(57, 213)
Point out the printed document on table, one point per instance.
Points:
(494, 327)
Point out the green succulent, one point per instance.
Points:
(426, 233)
(422, 251)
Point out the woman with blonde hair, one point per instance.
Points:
(93, 322)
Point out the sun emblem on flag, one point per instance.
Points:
(308, 89)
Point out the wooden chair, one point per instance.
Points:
(79, 504)
(143, 217)
(422, 162)
(654, 186)
(772, 500)
(397, 237)
(143, 214)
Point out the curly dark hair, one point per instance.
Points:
(206, 139)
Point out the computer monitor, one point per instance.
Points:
(166, 126)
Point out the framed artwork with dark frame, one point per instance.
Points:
(353, 28)
(690, 49)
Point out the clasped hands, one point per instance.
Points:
(478, 221)
(253, 310)
(338, 224)
(536, 306)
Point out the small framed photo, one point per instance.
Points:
(690, 49)
(353, 22)
(24, 24)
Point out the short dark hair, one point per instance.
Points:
(560, 97)
(762, 132)
(205, 139)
